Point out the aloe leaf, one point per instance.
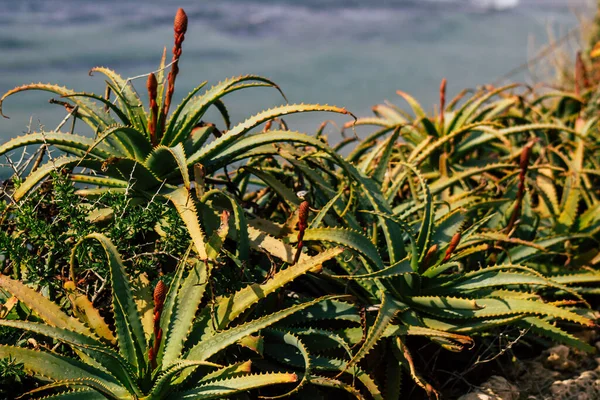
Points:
(390, 113)
(228, 371)
(393, 378)
(366, 143)
(180, 108)
(165, 161)
(144, 299)
(348, 238)
(402, 353)
(466, 112)
(229, 308)
(129, 99)
(414, 104)
(421, 156)
(461, 326)
(370, 156)
(219, 389)
(220, 106)
(197, 137)
(414, 256)
(196, 107)
(324, 210)
(187, 301)
(77, 394)
(368, 382)
(66, 140)
(260, 240)
(572, 190)
(50, 312)
(41, 173)
(91, 383)
(383, 163)
(451, 307)
(160, 79)
(184, 203)
(99, 181)
(522, 253)
(87, 313)
(164, 382)
(107, 103)
(171, 301)
(336, 384)
(545, 328)
(325, 311)
(135, 143)
(92, 114)
(220, 144)
(426, 229)
(323, 334)
(499, 275)
(283, 191)
(57, 368)
(212, 345)
(402, 267)
(387, 311)
(293, 340)
(130, 332)
(440, 185)
(240, 224)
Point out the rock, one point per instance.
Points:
(496, 388)
(558, 359)
(586, 386)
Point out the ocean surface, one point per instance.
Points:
(349, 53)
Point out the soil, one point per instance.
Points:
(559, 373)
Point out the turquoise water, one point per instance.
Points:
(349, 53)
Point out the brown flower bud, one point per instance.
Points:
(525, 154)
(152, 84)
(452, 246)
(160, 292)
(303, 215)
(430, 255)
(181, 22)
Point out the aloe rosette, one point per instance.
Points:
(154, 358)
(149, 152)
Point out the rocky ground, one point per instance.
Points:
(559, 373)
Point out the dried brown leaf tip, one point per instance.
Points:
(181, 21)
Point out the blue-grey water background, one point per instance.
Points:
(344, 52)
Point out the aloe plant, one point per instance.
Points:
(152, 350)
(150, 153)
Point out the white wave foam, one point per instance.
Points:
(496, 4)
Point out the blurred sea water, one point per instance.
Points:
(349, 53)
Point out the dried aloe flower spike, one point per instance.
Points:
(179, 27)
(152, 85)
(442, 102)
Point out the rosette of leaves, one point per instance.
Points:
(172, 344)
(149, 152)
